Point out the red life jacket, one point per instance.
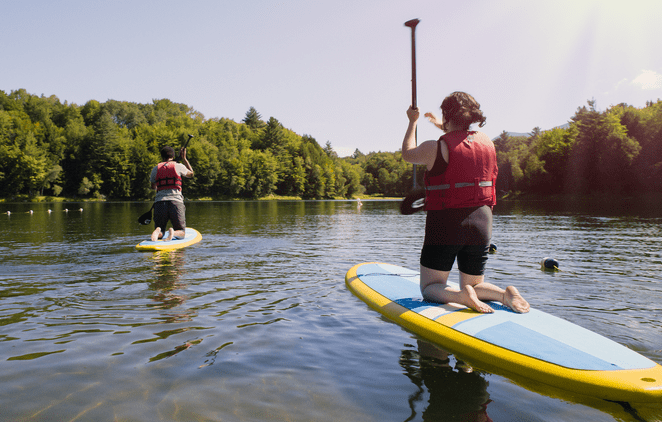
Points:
(469, 179)
(167, 176)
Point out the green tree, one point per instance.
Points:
(272, 136)
(49, 180)
(512, 154)
(205, 155)
(328, 149)
(351, 176)
(535, 133)
(253, 119)
(602, 154)
(645, 126)
(553, 149)
(261, 180)
(316, 186)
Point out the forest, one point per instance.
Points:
(107, 150)
(614, 152)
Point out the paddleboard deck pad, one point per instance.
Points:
(191, 236)
(536, 345)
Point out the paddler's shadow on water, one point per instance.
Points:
(168, 268)
(456, 392)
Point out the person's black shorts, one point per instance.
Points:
(172, 211)
(471, 259)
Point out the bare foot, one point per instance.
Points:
(515, 301)
(171, 233)
(470, 299)
(155, 234)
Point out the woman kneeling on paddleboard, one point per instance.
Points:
(460, 191)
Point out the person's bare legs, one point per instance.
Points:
(473, 290)
(156, 234)
(170, 234)
(515, 301)
(510, 297)
(435, 289)
(179, 234)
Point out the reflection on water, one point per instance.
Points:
(168, 269)
(455, 391)
(254, 323)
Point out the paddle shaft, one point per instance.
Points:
(412, 24)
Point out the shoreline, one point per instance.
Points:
(511, 196)
(50, 199)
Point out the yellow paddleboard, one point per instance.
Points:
(535, 345)
(192, 236)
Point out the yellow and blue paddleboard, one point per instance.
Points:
(535, 345)
(191, 236)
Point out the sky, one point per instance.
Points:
(339, 71)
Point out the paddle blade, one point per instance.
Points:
(145, 218)
(413, 202)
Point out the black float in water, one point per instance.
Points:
(549, 264)
(493, 248)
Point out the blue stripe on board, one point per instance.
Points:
(531, 343)
(552, 333)
(417, 305)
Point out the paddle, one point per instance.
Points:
(147, 217)
(188, 140)
(415, 200)
(186, 143)
(412, 24)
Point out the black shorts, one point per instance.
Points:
(462, 233)
(173, 211)
(471, 259)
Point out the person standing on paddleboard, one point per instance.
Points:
(460, 191)
(166, 178)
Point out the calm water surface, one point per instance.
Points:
(255, 323)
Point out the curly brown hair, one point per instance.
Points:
(462, 110)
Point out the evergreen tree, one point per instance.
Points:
(253, 120)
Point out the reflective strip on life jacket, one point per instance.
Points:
(482, 184)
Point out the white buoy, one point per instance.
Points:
(66, 210)
(50, 211)
(8, 213)
(80, 209)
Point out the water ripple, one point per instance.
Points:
(254, 322)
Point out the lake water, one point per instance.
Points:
(254, 323)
